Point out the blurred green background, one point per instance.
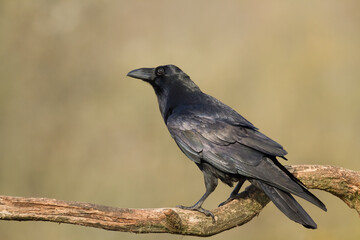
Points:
(74, 127)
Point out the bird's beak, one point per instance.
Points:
(145, 74)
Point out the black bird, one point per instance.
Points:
(223, 144)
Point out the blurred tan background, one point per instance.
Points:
(74, 127)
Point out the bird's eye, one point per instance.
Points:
(160, 71)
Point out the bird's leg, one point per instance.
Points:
(210, 184)
(235, 193)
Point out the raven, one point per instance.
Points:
(223, 144)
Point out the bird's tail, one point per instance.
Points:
(287, 204)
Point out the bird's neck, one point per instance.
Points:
(172, 98)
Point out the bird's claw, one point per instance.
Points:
(232, 197)
(199, 209)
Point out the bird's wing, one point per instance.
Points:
(220, 129)
(229, 148)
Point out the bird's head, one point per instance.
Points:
(172, 86)
(163, 77)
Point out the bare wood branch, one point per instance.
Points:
(341, 182)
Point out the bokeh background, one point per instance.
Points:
(74, 127)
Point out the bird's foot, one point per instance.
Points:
(199, 209)
(232, 197)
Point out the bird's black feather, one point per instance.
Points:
(223, 144)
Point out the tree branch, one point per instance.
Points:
(341, 182)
